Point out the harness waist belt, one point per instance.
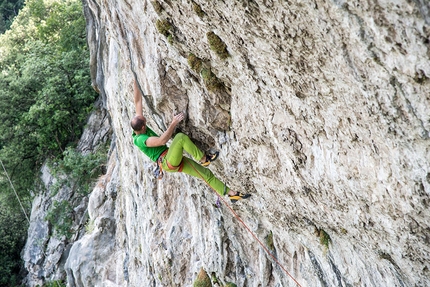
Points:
(171, 167)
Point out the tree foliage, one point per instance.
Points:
(12, 240)
(8, 11)
(45, 94)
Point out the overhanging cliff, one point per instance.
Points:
(318, 108)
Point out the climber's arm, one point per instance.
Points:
(137, 99)
(164, 138)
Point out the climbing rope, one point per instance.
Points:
(247, 228)
(16, 194)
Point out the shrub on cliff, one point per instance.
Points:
(45, 98)
(202, 279)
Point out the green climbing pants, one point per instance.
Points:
(174, 156)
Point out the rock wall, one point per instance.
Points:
(319, 109)
(45, 253)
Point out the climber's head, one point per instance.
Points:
(138, 123)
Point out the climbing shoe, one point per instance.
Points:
(238, 196)
(210, 158)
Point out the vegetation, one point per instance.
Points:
(57, 283)
(198, 10)
(211, 81)
(217, 45)
(8, 11)
(324, 238)
(81, 171)
(229, 284)
(12, 239)
(45, 97)
(163, 27)
(157, 7)
(269, 241)
(202, 279)
(195, 63)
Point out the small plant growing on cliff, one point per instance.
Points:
(269, 241)
(324, 238)
(157, 7)
(170, 39)
(57, 283)
(211, 81)
(217, 45)
(163, 27)
(198, 10)
(60, 216)
(195, 63)
(214, 278)
(79, 169)
(202, 279)
(229, 284)
(90, 226)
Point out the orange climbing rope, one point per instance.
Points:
(247, 228)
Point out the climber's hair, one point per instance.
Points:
(137, 123)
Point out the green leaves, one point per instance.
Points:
(8, 10)
(13, 229)
(45, 86)
(78, 172)
(45, 98)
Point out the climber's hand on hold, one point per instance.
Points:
(177, 119)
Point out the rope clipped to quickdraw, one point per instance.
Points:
(247, 228)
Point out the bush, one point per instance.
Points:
(46, 96)
(13, 231)
(202, 279)
(57, 283)
(79, 169)
(79, 172)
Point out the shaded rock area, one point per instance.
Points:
(319, 109)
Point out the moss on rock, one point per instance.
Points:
(217, 45)
(202, 279)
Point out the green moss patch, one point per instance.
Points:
(217, 45)
(195, 63)
(269, 241)
(324, 238)
(157, 7)
(198, 10)
(211, 81)
(164, 27)
(202, 279)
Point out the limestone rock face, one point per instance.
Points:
(320, 111)
(45, 253)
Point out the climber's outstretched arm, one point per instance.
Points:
(164, 138)
(137, 99)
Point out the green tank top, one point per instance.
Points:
(140, 141)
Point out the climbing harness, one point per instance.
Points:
(247, 228)
(158, 171)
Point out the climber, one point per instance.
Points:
(171, 159)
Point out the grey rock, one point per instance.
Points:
(322, 115)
